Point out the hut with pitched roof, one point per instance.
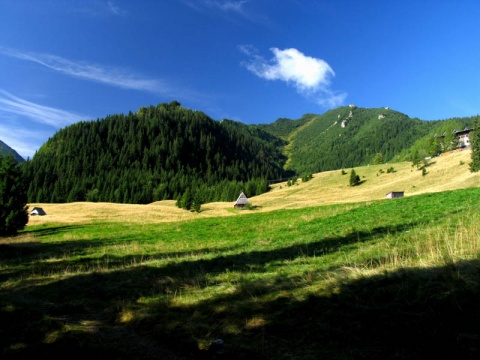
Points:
(241, 202)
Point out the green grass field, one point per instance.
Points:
(380, 279)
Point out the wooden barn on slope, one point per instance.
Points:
(241, 202)
(395, 194)
(37, 211)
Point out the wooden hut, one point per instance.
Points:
(37, 211)
(395, 194)
(241, 202)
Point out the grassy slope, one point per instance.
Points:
(444, 173)
(288, 148)
(319, 270)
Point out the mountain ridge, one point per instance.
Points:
(351, 136)
(171, 152)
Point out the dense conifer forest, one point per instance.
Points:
(158, 153)
(170, 152)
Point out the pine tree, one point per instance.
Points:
(13, 197)
(475, 143)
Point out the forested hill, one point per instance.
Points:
(170, 152)
(161, 152)
(351, 136)
(5, 150)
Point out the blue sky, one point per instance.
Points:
(63, 61)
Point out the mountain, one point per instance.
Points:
(351, 136)
(5, 149)
(170, 152)
(162, 152)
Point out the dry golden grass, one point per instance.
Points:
(83, 212)
(444, 173)
(18, 239)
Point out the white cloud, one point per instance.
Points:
(113, 76)
(56, 118)
(310, 76)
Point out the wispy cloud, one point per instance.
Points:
(230, 9)
(56, 118)
(228, 5)
(22, 140)
(115, 9)
(310, 76)
(18, 129)
(95, 8)
(113, 76)
(223, 5)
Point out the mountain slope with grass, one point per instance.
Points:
(351, 136)
(447, 172)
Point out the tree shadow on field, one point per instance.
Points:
(33, 256)
(54, 230)
(422, 313)
(407, 314)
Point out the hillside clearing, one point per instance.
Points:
(447, 172)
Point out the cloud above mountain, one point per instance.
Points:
(311, 77)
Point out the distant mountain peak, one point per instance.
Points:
(5, 149)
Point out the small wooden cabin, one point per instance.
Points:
(37, 211)
(241, 202)
(395, 194)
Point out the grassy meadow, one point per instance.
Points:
(317, 270)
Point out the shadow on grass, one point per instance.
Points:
(39, 231)
(406, 314)
(31, 255)
(421, 313)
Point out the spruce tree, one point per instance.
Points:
(354, 178)
(13, 197)
(475, 143)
